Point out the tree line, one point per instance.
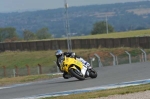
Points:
(81, 19)
(9, 34)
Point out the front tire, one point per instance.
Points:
(92, 73)
(77, 74)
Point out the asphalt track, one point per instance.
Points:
(106, 75)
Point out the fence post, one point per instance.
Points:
(142, 57)
(40, 68)
(91, 60)
(16, 70)
(99, 60)
(145, 56)
(129, 56)
(28, 70)
(4, 69)
(114, 60)
(58, 71)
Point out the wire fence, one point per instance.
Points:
(95, 61)
(118, 60)
(28, 70)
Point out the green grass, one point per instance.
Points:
(137, 33)
(46, 58)
(10, 59)
(21, 59)
(105, 93)
(24, 79)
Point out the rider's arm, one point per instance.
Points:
(71, 54)
(57, 63)
(68, 54)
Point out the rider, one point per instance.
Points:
(60, 53)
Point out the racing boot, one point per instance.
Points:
(66, 75)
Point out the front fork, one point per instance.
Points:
(88, 72)
(84, 70)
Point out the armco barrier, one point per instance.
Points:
(101, 43)
(143, 42)
(109, 43)
(47, 45)
(32, 46)
(76, 44)
(124, 42)
(116, 43)
(134, 42)
(19, 46)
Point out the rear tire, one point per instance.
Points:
(76, 74)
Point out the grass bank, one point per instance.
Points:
(10, 59)
(46, 58)
(135, 33)
(25, 79)
(105, 93)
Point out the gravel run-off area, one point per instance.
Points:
(138, 95)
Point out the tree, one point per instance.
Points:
(43, 33)
(101, 28)
(28, 35)
(8, 34)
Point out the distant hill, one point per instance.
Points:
(122, 16)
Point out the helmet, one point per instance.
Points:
(59, 53)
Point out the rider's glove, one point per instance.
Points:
(73, 55)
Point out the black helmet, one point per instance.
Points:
(58, 53)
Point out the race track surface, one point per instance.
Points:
(106, 75)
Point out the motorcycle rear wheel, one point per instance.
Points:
(77, 74)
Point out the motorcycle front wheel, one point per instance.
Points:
(93, 73)
(77, 74)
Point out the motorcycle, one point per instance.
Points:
(75, 68)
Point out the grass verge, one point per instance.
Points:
(25, 79)
(105, 93)
(10, 59)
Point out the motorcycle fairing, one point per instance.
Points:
(72, 63)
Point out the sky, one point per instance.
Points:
(31, 5)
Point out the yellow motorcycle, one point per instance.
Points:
(76, 69)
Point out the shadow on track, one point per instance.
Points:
(67, 81)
